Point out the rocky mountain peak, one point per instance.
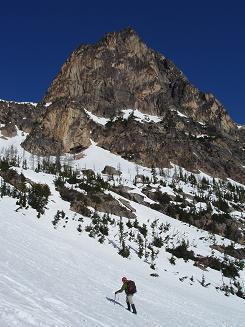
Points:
(120, 72)
(127, 38)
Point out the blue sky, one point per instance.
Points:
(205, 39)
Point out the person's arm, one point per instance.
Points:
(121, 289)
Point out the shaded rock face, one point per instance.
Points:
(121, 72)
(23, 115)
(111, 171)
(99, 201)
(8, 130)
(65, 127)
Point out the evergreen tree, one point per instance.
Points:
(38, 197)
(140, 246)
(124, 251)
(154, 175)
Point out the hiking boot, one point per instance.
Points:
(129, 308)
(134, 309)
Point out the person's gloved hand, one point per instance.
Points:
(116, 292)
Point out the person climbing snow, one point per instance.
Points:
(129, 288)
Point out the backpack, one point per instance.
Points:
(131, 289)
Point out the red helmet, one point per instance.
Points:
(124, 279)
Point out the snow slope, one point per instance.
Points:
(61, 278)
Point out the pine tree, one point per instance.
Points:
(124, 251)
(140, 246)
(154, 175)
(153, 255)
(38, 197)
(79, 228)
(129, 224)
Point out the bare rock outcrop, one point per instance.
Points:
(9, 130)
(99, 201)
(111, 171)
(23, 115)
(65, 127)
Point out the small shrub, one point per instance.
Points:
(158, 242)
(181, 251)
(4, 165)
(172, 260)
(230, 270)
(154, 275)
(79, 228)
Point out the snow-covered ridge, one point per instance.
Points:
(25, 102)
(179, 113)
(198, 136)
(202, 136)
(140, 117)
(135, 113)
(96, 119)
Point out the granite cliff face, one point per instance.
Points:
(118, 73)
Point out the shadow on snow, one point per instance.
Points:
(114, 301)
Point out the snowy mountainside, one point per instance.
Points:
(59, 278)
(63, 268)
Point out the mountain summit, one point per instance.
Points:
(121, 72)
(102, 89)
